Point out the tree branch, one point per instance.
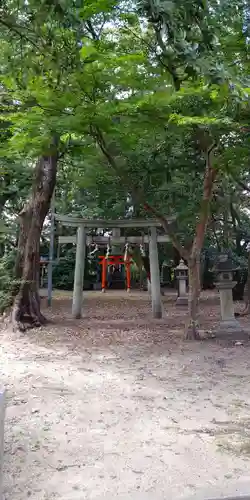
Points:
(214, 232)
(209, 178)
(19, 33)
(97, 134)
(138, 195)
(167, 228)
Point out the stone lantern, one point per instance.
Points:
(229, 326)
(181, 272)
(225, 270)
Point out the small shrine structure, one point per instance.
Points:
(82, 239)
(115, 260)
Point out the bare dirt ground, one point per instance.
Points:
(118, 404)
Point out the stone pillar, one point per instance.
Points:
(2, 416)
(116, 232)
(117, 249)
(226, 301)
(229, 326)
(79, 272)
(181, 276)
(155, 274)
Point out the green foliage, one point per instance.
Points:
(137, 93)
(6, 279)
(63, 271)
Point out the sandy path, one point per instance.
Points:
(89, 423)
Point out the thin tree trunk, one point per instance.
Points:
(225, 228)
(26, 306)
(176, 256)
(246, 311)
(193, 255)
(247, 291)
(236, 227)
(141, 278)
(192, 326)
(215, 235)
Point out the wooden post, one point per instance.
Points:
(104, 273)
(128, 275)
(79, 272)
(155, 275)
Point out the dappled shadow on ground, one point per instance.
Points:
(118, 403)
(119, 318)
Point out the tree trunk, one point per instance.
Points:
(246, 311)
(247, 292)
(247, 288)
(192, 326)
(26, 299)
(193, 255)
(176, 256)
(237, 228)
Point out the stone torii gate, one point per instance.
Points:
(82, 239)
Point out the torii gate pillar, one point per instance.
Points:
(79, 272)
(155, 274)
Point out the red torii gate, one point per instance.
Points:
(115, 260)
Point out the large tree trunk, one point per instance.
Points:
(26, 306)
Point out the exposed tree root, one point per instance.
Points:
(26, 311)
(26, 323)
